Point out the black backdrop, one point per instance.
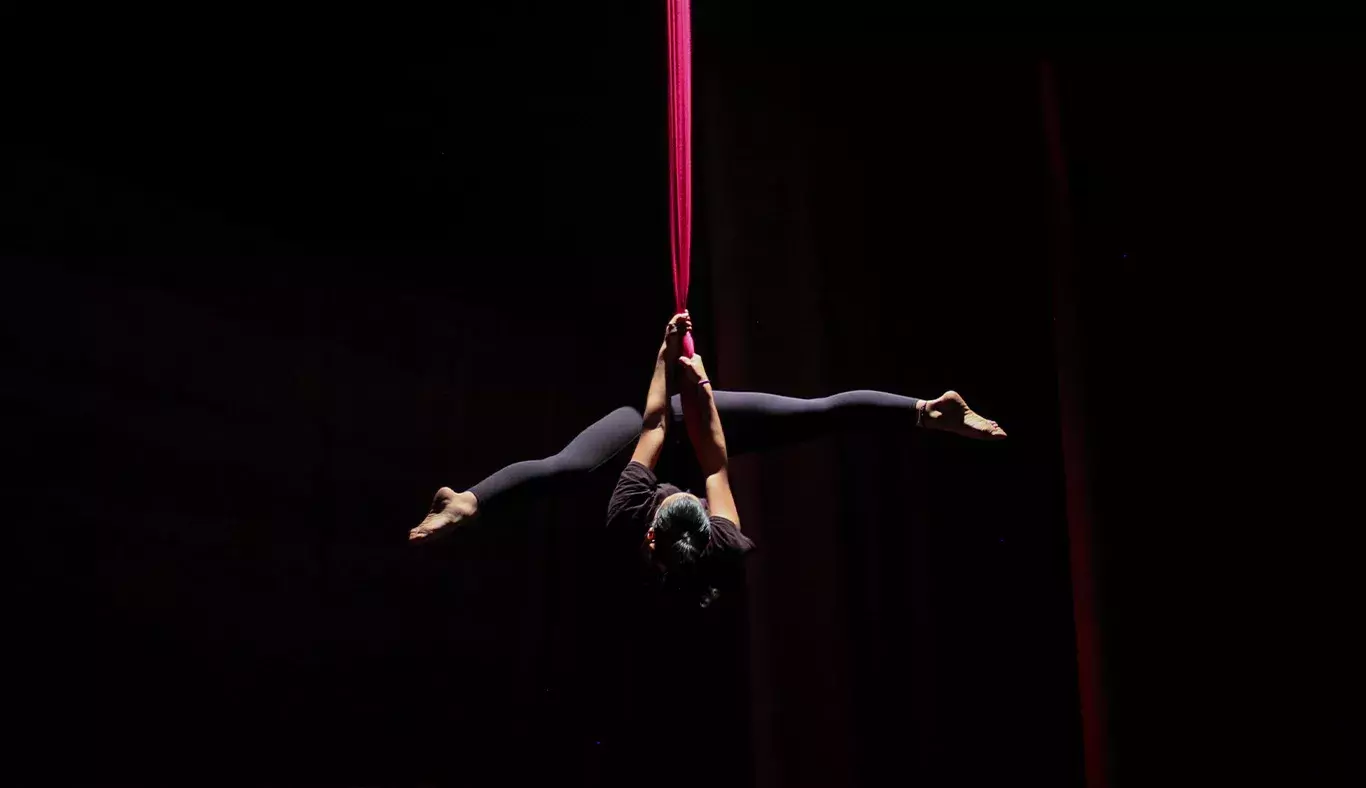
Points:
(273, 282)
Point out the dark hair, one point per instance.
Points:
(682, 530)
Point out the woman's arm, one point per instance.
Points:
(655, 421)
(700, 416)
(708, 438)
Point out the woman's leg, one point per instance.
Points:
(755, 421)
(597, 444)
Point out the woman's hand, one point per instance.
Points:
(693, 370)
(679, 324)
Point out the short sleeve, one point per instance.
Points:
(727, 540)
(631, 500)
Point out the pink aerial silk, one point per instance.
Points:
(680, 153)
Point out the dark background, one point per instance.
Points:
(271, 282)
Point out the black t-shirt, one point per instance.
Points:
(638, 494)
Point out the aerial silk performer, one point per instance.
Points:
(685, 539)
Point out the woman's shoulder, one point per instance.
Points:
(726, 537)
(636, 471)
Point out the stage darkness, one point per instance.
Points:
(269, 286)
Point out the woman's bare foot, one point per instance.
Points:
(951, 414)
(449, 509)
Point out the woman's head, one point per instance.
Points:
(678, 534)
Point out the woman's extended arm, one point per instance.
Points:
(708, 439)
(655, 421)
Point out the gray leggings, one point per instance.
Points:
(753, 421)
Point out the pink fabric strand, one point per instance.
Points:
(680, 152)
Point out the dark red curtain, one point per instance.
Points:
(839, 196)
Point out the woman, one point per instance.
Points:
(677, 527)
